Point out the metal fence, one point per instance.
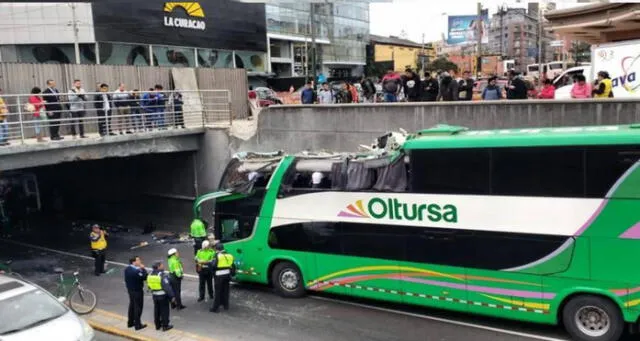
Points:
(18, 78)
(32, 118)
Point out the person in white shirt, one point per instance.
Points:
(77, 100)
(122, 104)
(325, 95)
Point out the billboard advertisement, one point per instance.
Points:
(220, 24)
(463, 29)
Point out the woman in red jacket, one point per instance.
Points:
(36, 107)
(548, 90)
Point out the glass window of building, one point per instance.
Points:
(174, 56)
(251, 61)
(125, 54)
(55, 54)
(215, 58)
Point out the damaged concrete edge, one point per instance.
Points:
(117, 332)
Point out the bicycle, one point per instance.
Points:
(79, 299)
(5, 269)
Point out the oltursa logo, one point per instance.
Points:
(396, 209)
(354, 211)
(193, 11)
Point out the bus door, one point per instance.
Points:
(320, 260)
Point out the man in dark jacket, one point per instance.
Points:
(368, 90)
(431, 88)
(51, 97)
(307, 95)
(134, 277)
(448, 88)
(412, 86)
(516, 87)
(465, 88)
(103, 104)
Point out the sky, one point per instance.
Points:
(418, 17)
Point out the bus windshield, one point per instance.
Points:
(241, 175)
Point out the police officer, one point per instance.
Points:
(198, 233)
(203, 258)
(175, 277)
(134, 276)
(158, 283)
(223, 268)
(98, 248)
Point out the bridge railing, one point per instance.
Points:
(28, 118)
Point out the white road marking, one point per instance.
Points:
(439, 319)
(393, 311)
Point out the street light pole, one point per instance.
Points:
(479, 35)
(313, 41)
(74, 24)
(540, 23)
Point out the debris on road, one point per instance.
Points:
(142, 244)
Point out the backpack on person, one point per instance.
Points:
(391, 86)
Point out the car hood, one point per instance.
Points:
(65, 328)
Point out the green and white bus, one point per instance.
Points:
(539, 225)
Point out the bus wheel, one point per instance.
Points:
(287, 280)
(592, 318)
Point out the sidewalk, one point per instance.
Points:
(114, 324)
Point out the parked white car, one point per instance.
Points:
(28, 312)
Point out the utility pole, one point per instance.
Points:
(423, 58)
(74, 24)
(313, 41)
(479, 36)
(501, 13)
(540, 22)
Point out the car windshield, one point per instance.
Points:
(28, 310)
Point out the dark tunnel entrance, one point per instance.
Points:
(156, 189)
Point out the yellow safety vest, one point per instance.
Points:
(154, 282)
(608, 87)
(99, 244)
(225, 260)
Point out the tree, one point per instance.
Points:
(442, 63)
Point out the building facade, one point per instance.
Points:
(514, 33)
(220, 34)
(340, 32)
(402, 53)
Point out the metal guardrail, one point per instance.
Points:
(41, 117)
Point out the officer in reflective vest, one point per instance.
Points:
(175, 277)
(198, 233)
(203, 259)
(98, 248)
(158, 283)
(223, 269)
(604, 86)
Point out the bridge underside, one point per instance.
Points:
(35, 155)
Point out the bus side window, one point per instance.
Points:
(451, 171)
(605, 165)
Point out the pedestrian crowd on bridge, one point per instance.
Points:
(120, 111)
(444, 86)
